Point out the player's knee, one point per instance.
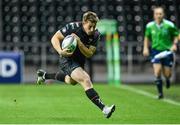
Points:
(157, 73)
(167, 74)
(87, 82)
(69, 80)
(83, 79)
(157, 70)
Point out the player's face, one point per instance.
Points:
(89, 27)
(158, 14)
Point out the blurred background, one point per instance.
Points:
(27, 26)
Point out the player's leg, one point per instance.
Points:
(60, 76)
(83, 78)
(167, 74)
(157, 67)
(69, 80)
(167, 68)
(43, 75)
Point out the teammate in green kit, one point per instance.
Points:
(162, 35)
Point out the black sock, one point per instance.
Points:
(50, 75)
(159, 85)
(60, 76)
(94, 97)
(167, 82)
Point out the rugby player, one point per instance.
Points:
(161, 35)
(71, 65)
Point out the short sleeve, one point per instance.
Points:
(66, 30)
(69, 28)
(174, 31)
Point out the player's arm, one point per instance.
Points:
(175, 43)
(86, 51)
(146, 46)
(146, 41)
(55, 40)
(175, 33)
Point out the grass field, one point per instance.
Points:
(68, 104)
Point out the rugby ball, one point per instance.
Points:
(70, 43)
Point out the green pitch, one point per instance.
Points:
(69, 104)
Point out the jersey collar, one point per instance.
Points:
(159, 25)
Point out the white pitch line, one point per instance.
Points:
(138, 91)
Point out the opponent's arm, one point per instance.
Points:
(146, 46)
(56, 40)
(87, 52)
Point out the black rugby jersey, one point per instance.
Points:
(77, 28)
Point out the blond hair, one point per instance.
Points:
(90, 16)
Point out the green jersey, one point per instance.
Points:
(162, 35)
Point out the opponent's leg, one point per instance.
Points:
(80, 76)
(167, 74)
(158, 81)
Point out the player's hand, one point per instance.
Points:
(174, 48)
(79, 43)
(77, 37)
(65, 53)
(146, 52)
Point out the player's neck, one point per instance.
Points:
(158, 22)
